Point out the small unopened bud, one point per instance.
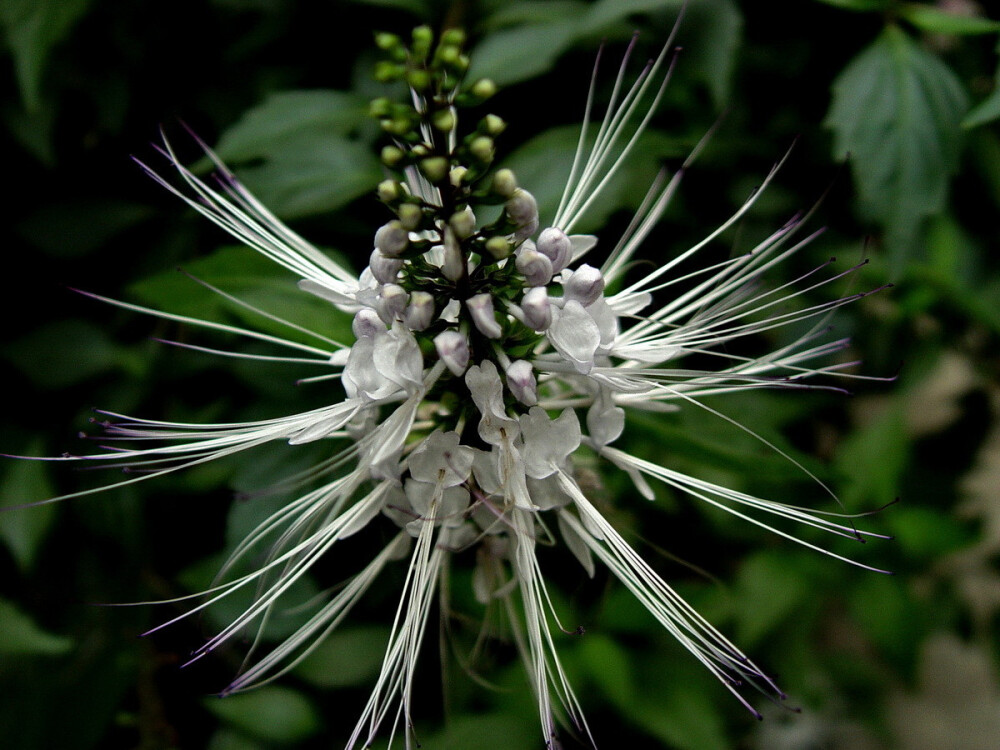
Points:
(504, 183)
(522, 383)
(585, 285)
(484, 88)
(423, 38)
(420, 312)
(443, 120)
(537, 309)
(435, 168)
(448, 53)
(535, 267)
(385, 40)
(366, 323)
(392, 239)
(453, 36)
(410, 216)
(556, 246)
(457, 175)
(418, 79)
(498, 247)
(383, 268)
(453, 266)
(386, 71)
(463, 223)
(481, 148)
(492, 125)
(453, 349)
(480, 307)
(392, 155)
(381, 107)
(522, 208)
(389, 191)
(392, 301)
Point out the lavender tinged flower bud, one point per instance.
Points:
(384, 269)
(392, 239)
(522, 208)
(420, 312)
(392, 302)
(366, 323)
(556, 246)
(535, 267)
(480, 308)
(536, 308)
(453, 266)
(453, 349)
(522, 383)
(585, 285)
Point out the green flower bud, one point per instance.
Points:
(484, 88)
(418, 79)
(385, 40)
(504, 183)
(454, 37)
(443, 120)
(463, 223)
(482, 148)
(381, 107)
(435, 168)
(448, 55)
(456, 175)
(389, 191)
(423, 38)
(498, 247)
(410, 216)
(492, 125)
(392, 155)
(387, 71)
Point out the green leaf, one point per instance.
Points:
(858, 5)
(502, 56)
(937, 21)
(252, 278)
(65, 352)
(24, 530)
(927, 533)
(986, 111)
(273, 714)
(872, 459)
(484, 731)
(710, 35)
(533, 12)
(310, 159)
(76, 228)
(897, 111)
(770, 588)
(346, 657)
(20, 636)
(607, 666)
(288, 116)
(32, 28)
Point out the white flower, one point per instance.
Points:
(442, 434)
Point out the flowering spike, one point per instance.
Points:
(429, 436)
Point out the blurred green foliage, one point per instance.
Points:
(905, 92)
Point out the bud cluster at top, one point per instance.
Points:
(468, 291)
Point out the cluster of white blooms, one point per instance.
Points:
(485, 357)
